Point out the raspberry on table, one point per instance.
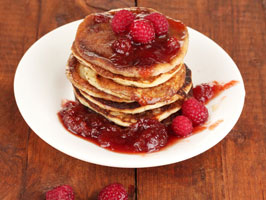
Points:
(159, 22)
(195, 111)
(182, 126)
(64, 192)
(122, 20)
(172, 44)
(142, 31)
(114, 191)
(122, 46)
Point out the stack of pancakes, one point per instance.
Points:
(124, 94)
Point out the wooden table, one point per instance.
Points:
(233, 169)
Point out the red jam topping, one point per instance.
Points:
(160, 50)
(207, 91)
(147, 135)
(122, 46)
(100, 18)
(146, 55)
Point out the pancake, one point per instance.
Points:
(123, 119)
(83, 85)
(149, 81)
(93, 41)
(143, 96)
(133, 81)
(134, 107)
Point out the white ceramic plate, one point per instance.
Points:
(40, 85)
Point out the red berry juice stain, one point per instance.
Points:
(146, 135)
(198, 129)
(215, 124)
(201, 128)
(208, 91)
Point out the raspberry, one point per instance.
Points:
(203, 92)
(152, 135)
(159, 22)
(114, 191)
(182, 126)
(121, 21)
(64, 192)
(172, 44)
(195, 111)
(122, 46)
(142, 31)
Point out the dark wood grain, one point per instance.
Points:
(48, 168)
(235, 168)
(28, 166)
(18, 28)
(57, 168)
(57, 13)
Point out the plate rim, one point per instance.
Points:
(110, 164)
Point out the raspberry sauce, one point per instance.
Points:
(207, 91)
(147, 135)
(162, 49)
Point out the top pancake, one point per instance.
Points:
(93, 45)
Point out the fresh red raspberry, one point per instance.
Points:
(159, 22)
(203, 92)
(152, 135)
(114, 191)
(64, 192)
(122, 46)
(182, 126)
(121, 21)
(142, 31)
(172, 44)
(195, 111)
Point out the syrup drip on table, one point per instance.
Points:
(147, 135)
